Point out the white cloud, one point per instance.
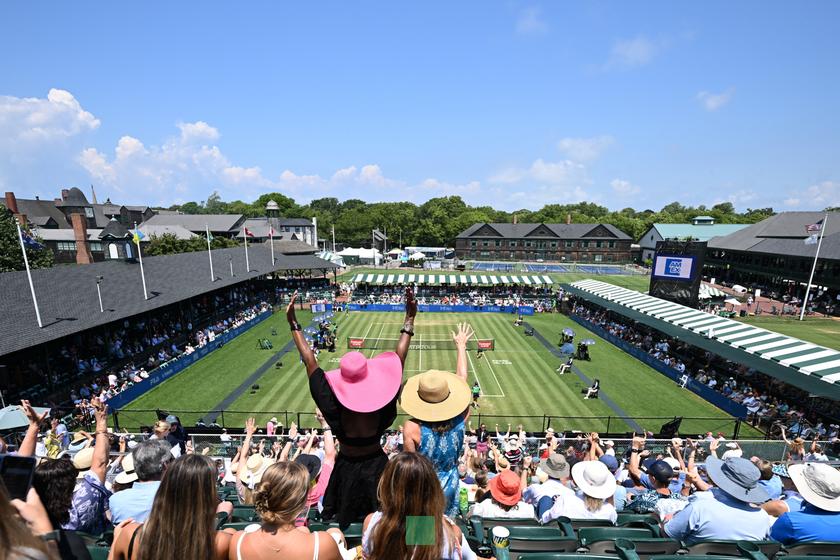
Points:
(714, 101)
(198, 131)
(529, 22)
(624, 188)
(823, 195)
(632, 53)
(555, 173)
(39, 138)
(792, 202)
(584, 149)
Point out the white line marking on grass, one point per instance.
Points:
(420, 351)
(382, 328)
(475, 373)
(499, 385)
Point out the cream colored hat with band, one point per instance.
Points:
(435, 396)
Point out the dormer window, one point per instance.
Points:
(89, 212)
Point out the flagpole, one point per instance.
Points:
(29, 276)
(333, 236)
(813, 267)
(247, 262)
(210, 253)
(140, 258)
(271, 241)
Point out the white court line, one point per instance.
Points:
(475, 373)
(382, 328)
(420, 350)
(499, 385)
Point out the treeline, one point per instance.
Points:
(437, 221)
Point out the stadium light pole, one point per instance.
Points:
(99, 293)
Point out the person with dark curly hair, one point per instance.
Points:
(54, 481)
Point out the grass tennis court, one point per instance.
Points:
(518, 378)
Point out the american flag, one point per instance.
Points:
(813, 228)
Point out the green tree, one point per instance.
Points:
(11, 257)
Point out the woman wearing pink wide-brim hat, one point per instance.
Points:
(359, 402)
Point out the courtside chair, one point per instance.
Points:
(98, 552)
(743, 549)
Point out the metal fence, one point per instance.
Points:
(135, 419)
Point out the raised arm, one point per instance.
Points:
(408, 325)
(784, 436)
(303, 348)
(465, 332)
(814, 444)
(27, 446)
(637, 446)
(287, 448)
(102, 444)
(678, 453)
(329, 440)
(250, 428)
(713, 447)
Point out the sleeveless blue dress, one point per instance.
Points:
(444, 449)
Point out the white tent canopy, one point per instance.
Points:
(417, 256)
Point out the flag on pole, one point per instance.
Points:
(812, 239)
(814, 228)
(248, 232)
(271, 242)
(30, 241)
(210, 253)
(23, 244)
(138, 235)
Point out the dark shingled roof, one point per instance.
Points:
(784, 234)
(40, 208)
(562, 231)
(67, 294)
(75, 197)
(114, 229)
(218, 223)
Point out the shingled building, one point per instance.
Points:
(549, 242)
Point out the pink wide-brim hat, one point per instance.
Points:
(366, 385)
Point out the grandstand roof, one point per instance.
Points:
(68, 301)
(561, 231)
(700, 232)
(443, 279)
(810, 367)
(219, 223)
(784, 234)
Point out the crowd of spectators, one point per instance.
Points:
(543, 299)
(161, 496)
(771, 403)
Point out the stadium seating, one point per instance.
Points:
(768, 548)
(244, 513)
(539, 539)
(98, 552)
(821, 550)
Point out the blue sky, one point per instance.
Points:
(514, 104)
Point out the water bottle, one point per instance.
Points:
(464, 499)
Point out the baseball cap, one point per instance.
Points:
(610, 461)
(171, 419)
(312, 464)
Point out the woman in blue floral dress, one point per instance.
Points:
(439, 403)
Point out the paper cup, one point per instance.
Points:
(501, 537)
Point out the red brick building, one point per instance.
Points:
(591, 243)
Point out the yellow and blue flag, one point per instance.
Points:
(138, 235)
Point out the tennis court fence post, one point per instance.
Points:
(608, 423)
(737, 429)
(223, 419)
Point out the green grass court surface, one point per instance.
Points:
(518, 378)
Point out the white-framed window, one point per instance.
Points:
(599, 258)
(96, 246)
(89, 212)
(66, 245)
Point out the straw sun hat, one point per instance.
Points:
(435, 396)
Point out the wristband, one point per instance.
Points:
(636, 450)
(406, 331)
(51, 536)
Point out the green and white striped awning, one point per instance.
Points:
(804, 357)
(379, 279)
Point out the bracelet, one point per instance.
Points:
(295, 326)
(50, 536)
(636, 450)
(406, 331)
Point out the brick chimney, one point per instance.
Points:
(514, 219)
(11, 202)
(568, 219)
(83, 255)
(64, 193)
